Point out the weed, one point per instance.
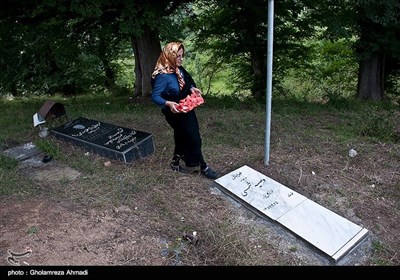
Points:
(32, 230)
(49, 147)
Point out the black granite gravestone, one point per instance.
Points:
(106, 139)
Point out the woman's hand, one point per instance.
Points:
(172, 106)
(196, 91)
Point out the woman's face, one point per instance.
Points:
(179, 58)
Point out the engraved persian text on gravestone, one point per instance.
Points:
(266, 195)
(326, 230)
(107, 139)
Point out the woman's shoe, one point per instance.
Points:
(209, 173)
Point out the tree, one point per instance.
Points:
(378, 45)
(236, 33)
(53, 49)
(373, 26)
(72, 33)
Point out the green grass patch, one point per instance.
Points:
(8, 163)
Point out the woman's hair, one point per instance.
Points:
(182, 47)
(166, 62)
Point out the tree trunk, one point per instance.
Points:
(110, 81)
(371, 71)
(371, 78)
(146, 51)
(259, 77)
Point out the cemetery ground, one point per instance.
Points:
(84, 209)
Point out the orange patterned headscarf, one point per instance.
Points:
(166, 62)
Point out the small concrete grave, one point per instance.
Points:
(33, 165)
(327, 231)
(106, 139)
(22, 152)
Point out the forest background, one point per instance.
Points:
(321, 51)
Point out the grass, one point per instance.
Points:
(305, 137)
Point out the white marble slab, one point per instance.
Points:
(321, 227)
(266, 195)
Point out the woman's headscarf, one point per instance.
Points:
(166, 62)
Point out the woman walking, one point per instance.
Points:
(171, 85)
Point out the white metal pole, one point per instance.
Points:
(269, 79)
